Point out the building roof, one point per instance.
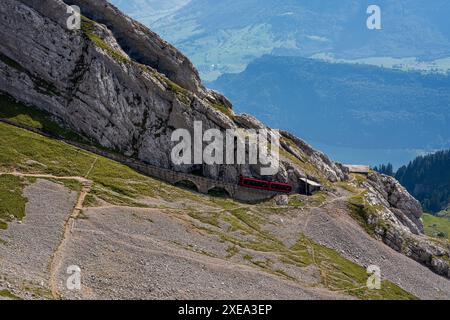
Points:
(357, 168)
(310, 182)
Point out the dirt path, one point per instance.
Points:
(91, 168)
(312, 211)
(46, 176)
(57, 258)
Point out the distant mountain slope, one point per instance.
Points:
(344, 105)
(148, 11)
(428, 179)
(224, 36)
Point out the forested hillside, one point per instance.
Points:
(428, 179)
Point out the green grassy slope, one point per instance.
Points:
(437, 227)
(12, 202)
(29, 116)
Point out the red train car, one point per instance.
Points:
(265, 185)
(280, 187)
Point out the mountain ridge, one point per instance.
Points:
(226, 39)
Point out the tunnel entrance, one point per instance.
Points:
(219, 192)
(187, 184)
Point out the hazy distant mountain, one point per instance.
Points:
(224, 36)
(148, 11)
(345, 105)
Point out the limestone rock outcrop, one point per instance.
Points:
(397, 222)
(404, 208)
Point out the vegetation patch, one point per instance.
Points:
(88, 28)
(12, 201)
(5, 293)
(232, 251)
(223, 108)
(340, 274)
(90, 201)
(38, 291)
(70, 184)
(359, 177)
(301, 201)
(247, 257)
(175, 87)
(111, 197)
(31, 153)
(363, 212)
(436, 227)
(348, 186)
(205, 217)
(182, 94)
(29, 116)
(297, 200)
(82, 216)
(337, 273)
(225, 204)
(318, 199)
(249, 219)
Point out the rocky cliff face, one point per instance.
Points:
(396, 220)
(120, 85)
(403, 209)
(115, 82)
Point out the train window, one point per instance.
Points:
(255, 183)
(267, 185)
(280, 187)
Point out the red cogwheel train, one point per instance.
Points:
(264, 185)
